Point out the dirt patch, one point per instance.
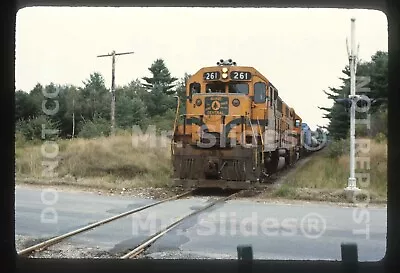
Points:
(70, 251)
(71, 186)
(307, 196)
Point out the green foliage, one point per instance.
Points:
(379, 121)
(181, 92)
(337, 148)
(20, 140)
(94, 99)
(129, 111)
(32, 128)
(380, 137)
(89, 106)
(24, 106)
(164, 122)
(159, 97)
(95, 128)
(375, 88)
(161, 80)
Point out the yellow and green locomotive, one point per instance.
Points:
(236, 131)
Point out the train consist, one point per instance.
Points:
(236, 130)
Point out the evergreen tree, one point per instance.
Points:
(24, 107)
(159, 97)
(181, 92)
(376, 73)
(161, 79)
(94, 99)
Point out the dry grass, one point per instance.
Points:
(117, 163)
(113, 161)
(323, 175)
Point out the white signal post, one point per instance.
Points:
(351, 184)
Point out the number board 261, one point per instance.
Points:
(211, 76)
(240, 75)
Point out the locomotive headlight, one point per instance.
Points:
(198, 102)
(236, 102)
(224, 75)
(224, 69)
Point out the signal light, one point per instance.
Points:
(236, 102)
(345, 102)
(198, 102)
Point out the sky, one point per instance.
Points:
(301, 51)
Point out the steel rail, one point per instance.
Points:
(146, 243)
(54, 240)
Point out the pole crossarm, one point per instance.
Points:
(113, 54)
(116, 54)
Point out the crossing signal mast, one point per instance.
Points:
(352, 100)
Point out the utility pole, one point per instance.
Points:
(351, 184)
(73, 116)
(113, 54)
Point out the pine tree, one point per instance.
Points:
(161, 79)
(339, 114)
(159, 97)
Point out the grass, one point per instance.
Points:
(325, 176)
(106, 162)
(124, 162)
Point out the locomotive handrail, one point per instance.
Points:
(177, 111)
(203, 115)
(176, 118)
(259, 128)
(252, 130)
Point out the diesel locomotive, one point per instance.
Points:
(236, 130)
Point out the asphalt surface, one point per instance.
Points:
(275, 231)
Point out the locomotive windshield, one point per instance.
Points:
(216, 87)
(242, 88)
(220, 87)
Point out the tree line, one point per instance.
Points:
(372, 82)
(85, 111)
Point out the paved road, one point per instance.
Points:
(276, 231)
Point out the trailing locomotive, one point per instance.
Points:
(236, 130)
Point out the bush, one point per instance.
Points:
(338, 147)
(164, 122)
(97, 128)
(380, 137)
(20, 140)
(32, 128)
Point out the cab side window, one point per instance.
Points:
(194, 88)
(271, 95)
(260, 90)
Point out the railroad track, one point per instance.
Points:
(43, 245)
(150, 240)
(143, 245)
